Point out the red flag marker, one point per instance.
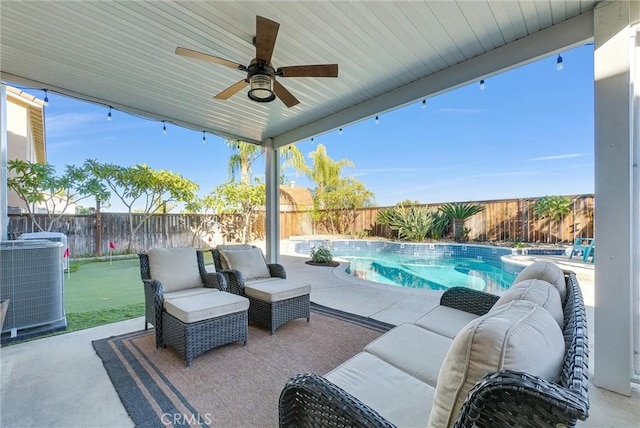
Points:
(66, 253)
(112, 245)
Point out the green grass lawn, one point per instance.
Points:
(98, 285)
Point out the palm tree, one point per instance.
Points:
(244, 154)
(552, 207)
(459, 213)
(324, 171)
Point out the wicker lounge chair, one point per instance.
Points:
(274, 300)
(189, 307)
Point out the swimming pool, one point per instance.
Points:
(423, 266)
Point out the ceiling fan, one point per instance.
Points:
(261, 75)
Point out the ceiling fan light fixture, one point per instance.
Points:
(261, 88)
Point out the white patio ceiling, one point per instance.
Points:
(389, 53)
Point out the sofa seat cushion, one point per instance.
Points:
(249, 262)
(189, 292)
(175, 268)
(275, 289)
(413, 350)
(536, 291)
(445, 321)
(398, 397)
(545, 271)
(205, 306)
(519, 336)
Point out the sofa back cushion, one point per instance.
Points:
(176, 268)
(536, 291)
(519, 335)
(545, 271)
(231, 247)
(250, 262)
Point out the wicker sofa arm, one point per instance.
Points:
(277, 270)
(214, 280)
(468, 300)
(234, 281)
(153, 287)
(311, 400)
(508, 398)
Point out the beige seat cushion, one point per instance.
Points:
(249, 262)
(519, 335)
(175, 268)
(536, 291)
(275, 289)
(398, 397)
(545, 271)
(205, 306)
(233, 247)
(445, 320)
(413, 350)
(189, 292)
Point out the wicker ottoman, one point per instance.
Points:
(274, 301)
(195, 324)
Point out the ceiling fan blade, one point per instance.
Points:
(283, 93)
(209, 58)
(319, 70)
(232, 90)
(266, 33)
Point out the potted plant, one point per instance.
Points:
(321, 256)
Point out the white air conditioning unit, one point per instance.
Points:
(51, 236)
(31, 278)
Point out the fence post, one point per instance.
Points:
(98, 228)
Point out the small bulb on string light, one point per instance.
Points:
(377, 120)
(424, 104)
(340, 131)
(559, 64)
(109, 114)
(204, 137)
(482, 85)
(312, 139)
(46, 98)
(164, 128)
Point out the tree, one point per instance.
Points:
(240, 198)
(244, 154)
(205, 226)
(153, 188)
(37, 183)
(552, 207)
(324, 171)
(458, 213)
(341, 203)
(336, 199)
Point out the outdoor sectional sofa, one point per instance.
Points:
(475, 360)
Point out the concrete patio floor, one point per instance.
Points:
(60, 382)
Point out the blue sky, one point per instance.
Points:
(529, 133)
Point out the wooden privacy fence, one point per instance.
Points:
(503, 220)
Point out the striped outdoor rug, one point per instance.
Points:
(230, 386)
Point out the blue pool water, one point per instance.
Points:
(425, 266)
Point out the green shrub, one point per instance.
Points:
(412, 223)
(321, 254)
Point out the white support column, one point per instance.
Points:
(613, 195)
(272, 184)
(4, 147)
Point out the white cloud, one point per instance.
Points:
(67, 123)
(555, 157)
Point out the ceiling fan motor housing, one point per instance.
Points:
(261, 77)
